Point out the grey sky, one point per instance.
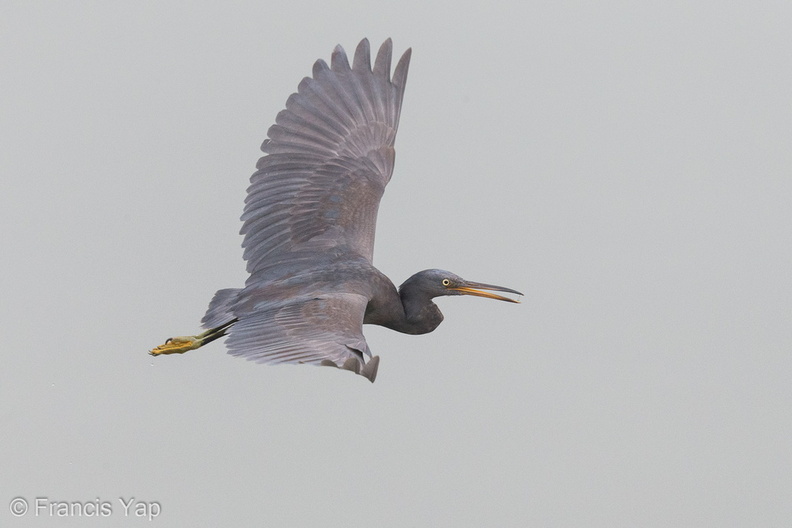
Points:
(627, 166)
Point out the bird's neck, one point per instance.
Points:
(421, 315)
(409, 309)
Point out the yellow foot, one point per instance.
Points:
(177, 345)
(180, 345)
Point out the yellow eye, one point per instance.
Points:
(446, 282)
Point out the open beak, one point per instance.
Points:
(475, 288)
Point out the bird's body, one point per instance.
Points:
(309, 224)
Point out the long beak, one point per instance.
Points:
(475, 288)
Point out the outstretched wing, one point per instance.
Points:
(329, 157)
(324, 329)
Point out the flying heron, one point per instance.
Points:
(308, 227)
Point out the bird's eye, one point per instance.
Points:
(446, 282)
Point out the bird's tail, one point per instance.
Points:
(221, 309)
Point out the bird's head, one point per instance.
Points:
(436, 283)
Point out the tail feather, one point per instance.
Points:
(221, 309)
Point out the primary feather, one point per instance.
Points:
(329, 157)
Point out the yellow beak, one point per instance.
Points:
(475, 288)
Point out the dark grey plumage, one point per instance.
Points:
(329, 157)
(309, 224)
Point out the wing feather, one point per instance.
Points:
(313, 329)
(329, 156)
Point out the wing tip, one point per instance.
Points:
(400, 73)
(362, 60)
(338, 60)
(319, 67)
(370, 369)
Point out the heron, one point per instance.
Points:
(308, 229)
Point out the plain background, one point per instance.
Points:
(624, 164)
